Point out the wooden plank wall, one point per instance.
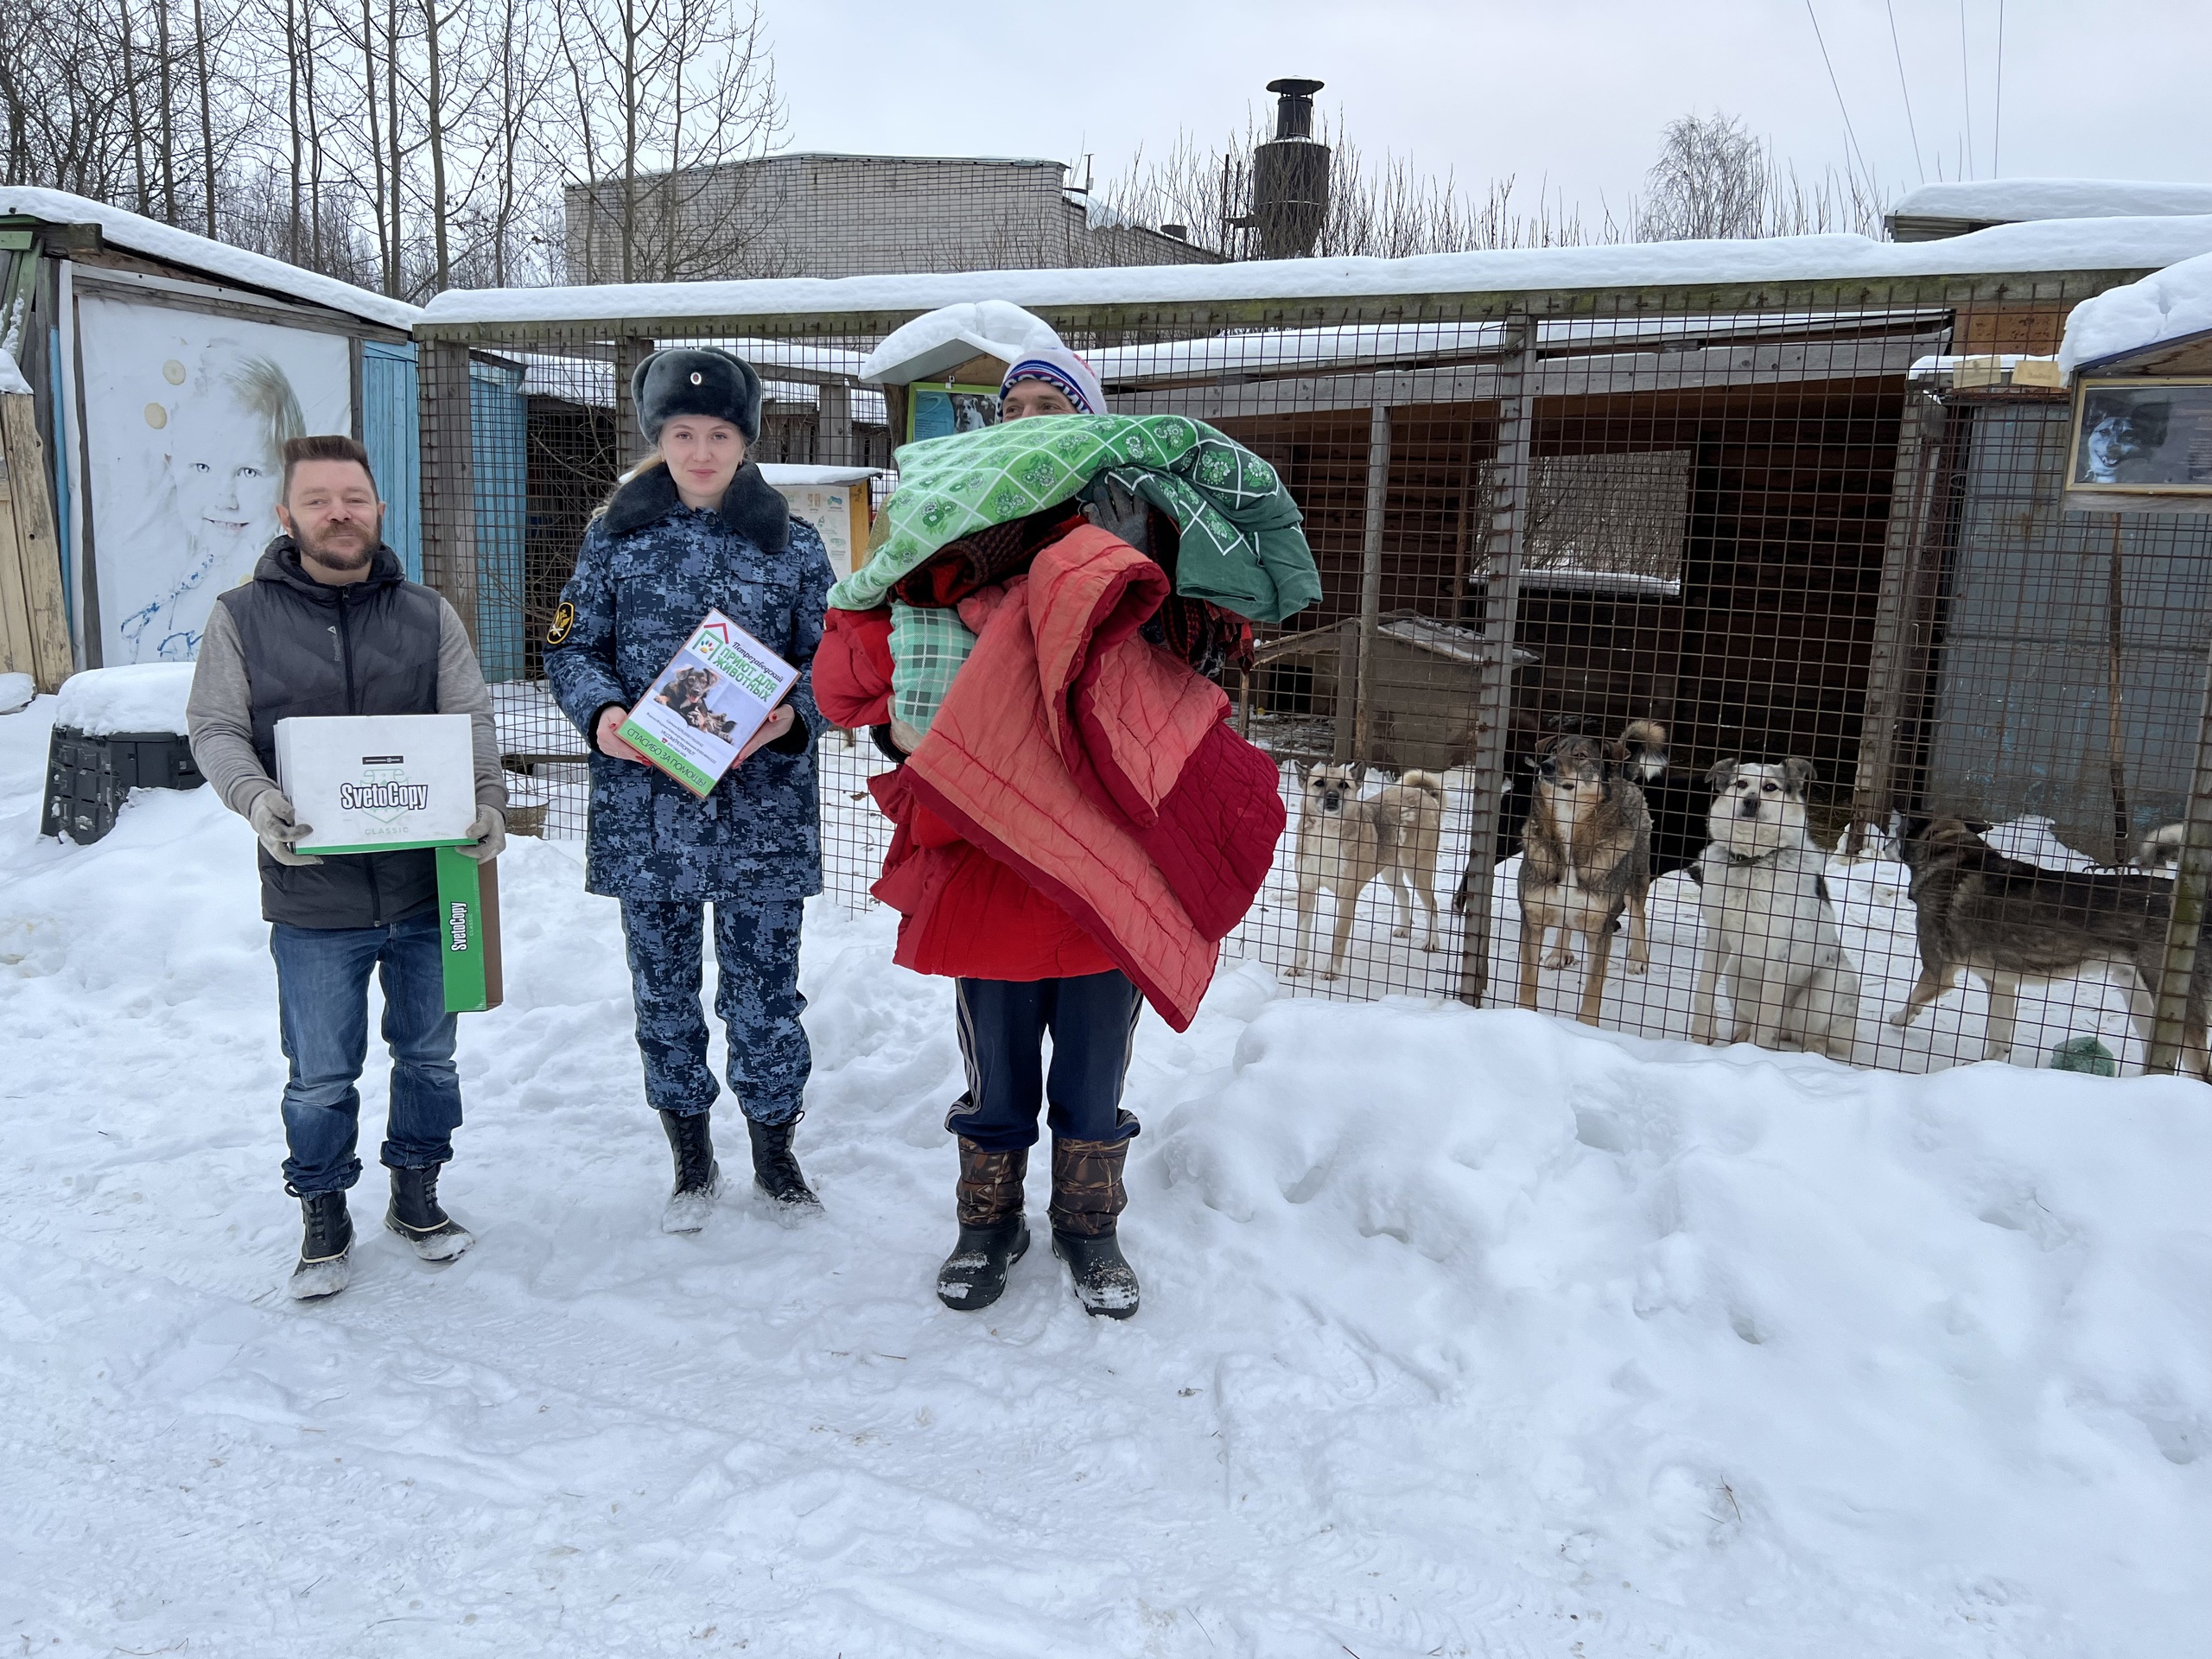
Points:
(1766, 649)
(34, 620)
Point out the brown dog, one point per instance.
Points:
(1585, 858)
(2006, 922)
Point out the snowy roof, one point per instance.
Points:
(784, 474)
(1378, 344)
(2126, 243)
(2015, 200)
(146, 236)
(937, 161)
(943, 339)
(2165, 305)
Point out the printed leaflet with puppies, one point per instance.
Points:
(694, 721)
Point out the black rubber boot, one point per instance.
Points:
(775, 1171)
(993, 1233)
(326, 1250)
(416, 1215)
(698, 1177)
(1105, 1283)
(1087, 1199)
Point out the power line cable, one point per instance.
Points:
(1912, 126)
(1850, 136)
(1966, 83)
(1996, 132)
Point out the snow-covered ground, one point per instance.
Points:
(1463, 1332)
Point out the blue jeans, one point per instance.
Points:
(322, 1000)
(1093, 1021)
(756, 963)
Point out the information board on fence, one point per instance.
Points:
(714, 694)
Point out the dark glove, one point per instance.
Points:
(1119, 512)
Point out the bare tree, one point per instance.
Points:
(1714, 180)
(664, 95)
(403, 145)
(1711, 181)
(1385, 208)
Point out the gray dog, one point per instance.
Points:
(2006, 922)
(1585, 858)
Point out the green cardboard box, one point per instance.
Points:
(468, 919)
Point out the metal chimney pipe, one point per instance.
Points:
(1295, 106)
(1290, 177)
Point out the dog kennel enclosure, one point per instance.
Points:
(1780, 509)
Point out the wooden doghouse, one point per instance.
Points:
(1426, 684)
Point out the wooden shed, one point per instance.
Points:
(161, 372)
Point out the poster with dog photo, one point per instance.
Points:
(186, 416)
(714, 694)
(2144, 435)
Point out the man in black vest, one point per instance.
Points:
(329, 625)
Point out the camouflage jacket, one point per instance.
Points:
(649, 570)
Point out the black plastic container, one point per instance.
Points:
(89, 776)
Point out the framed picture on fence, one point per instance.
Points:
(2143, 435)
(940, 411)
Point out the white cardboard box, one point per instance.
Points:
(379, 783)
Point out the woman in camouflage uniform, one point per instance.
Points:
(697, 528)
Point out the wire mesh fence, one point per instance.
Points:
(1721, 668)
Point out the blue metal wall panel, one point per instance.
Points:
(500, 429)
(392, 433)
(2022, 693)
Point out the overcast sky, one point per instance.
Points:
(1571, 93)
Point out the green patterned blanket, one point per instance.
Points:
(1242, 549)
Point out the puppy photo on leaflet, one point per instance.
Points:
(1345, 841)
(687, 695)
(1771, 939)
(1586, 862)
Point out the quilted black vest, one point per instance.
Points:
(369, 648)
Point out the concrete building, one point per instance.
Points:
(828, 215)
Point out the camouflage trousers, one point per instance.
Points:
(756, 961)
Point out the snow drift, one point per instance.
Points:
(1463, 1332)
(2164, 305)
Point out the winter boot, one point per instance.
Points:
(776, 1172)
(416, 1216)
(1087, 1197)
(326, 1251)
(993, 1233)
(698, 1177)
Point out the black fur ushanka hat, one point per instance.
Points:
(696, 380)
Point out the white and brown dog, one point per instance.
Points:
(1770, 931)
(1345, 841)
(1586, 859)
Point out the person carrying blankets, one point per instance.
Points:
(1078, 824)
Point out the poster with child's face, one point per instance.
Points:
(186, 417)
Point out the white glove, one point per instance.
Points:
(270, 815)
(489, 831)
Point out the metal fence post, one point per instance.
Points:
(630, 446)
(833, 425)
(449, 478)
(1370, 578)
(2192, 877)
(1912, 496)
(1503, 539)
